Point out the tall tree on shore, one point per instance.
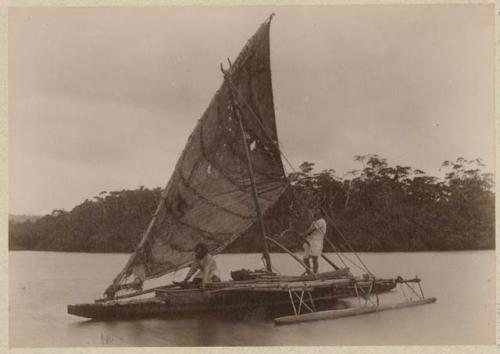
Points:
(380, 207)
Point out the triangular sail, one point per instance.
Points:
(209, 197)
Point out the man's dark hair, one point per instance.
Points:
(201, 250)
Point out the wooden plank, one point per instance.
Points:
(280, 283)
(137, 293)
(325, 275)
(332, 314)
(231, 283)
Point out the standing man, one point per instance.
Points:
(206, 266)
(313, 243)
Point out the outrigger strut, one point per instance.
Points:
(362, 309)
(366, 295)
(301, 301)
(401, 282)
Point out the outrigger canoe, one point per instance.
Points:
(242, 296)
(228, 176)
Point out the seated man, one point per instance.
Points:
(206, 266)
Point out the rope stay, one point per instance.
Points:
(238, 97)
(366, 294)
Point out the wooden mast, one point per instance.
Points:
(237, 111)
(260, 220)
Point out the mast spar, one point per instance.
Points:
(237, 110)
(260, 220)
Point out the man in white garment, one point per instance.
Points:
(313, 243)
(204, 266)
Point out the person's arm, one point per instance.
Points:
(310, 229)
(323, 227)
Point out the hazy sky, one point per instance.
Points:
(104, 99)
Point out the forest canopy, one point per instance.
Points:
(378, 207)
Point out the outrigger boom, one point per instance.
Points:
(360, 310)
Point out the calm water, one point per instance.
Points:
(43, 283)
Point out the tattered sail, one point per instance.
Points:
(209, 196)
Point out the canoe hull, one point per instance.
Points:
(190, 302)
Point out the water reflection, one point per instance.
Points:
(463, 315)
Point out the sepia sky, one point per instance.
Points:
(104, 99)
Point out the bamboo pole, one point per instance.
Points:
(334, 266)
(330, 262)
(294, 256)
(132, 258)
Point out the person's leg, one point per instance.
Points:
(315, 264)
(198, 276)
(307, 251)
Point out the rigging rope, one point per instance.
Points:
(348, 243)
(277, 144)
(256, 118)
(341, 257)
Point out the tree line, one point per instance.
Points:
(378, 207)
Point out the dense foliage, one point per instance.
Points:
(111, 222)
(377, 208)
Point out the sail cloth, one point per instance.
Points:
(209, 196)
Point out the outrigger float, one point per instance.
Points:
(229, 174)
